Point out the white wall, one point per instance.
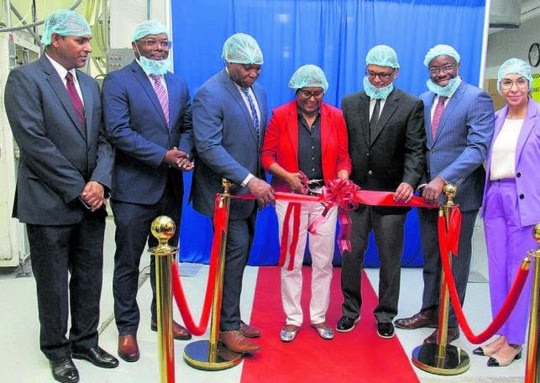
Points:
(509, 43)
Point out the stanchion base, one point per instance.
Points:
(196, 354)
(456, 361)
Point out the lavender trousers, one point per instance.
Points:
(507, 244)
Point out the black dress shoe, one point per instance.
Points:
(346, 324)
(385, 330)
(97, 356)
(64, 370)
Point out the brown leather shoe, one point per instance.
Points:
(179, 331)
(128, 349)
(249, 331)
(426, 318)
(237, 342)
(453, 334)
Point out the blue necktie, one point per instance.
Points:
(254, 115)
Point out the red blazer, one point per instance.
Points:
(281, 142)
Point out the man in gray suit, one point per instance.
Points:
(229, 118)
(386, 143)
(459, 125)
(64, 177)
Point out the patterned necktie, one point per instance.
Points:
(437, 116)
(254, 115)
(76, 100)
(374, 117)
(162, 95)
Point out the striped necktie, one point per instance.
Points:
(439, 108)
(162, 95)
(254, 115)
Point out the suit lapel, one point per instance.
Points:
(428, 104)
(390, 107)
(235, 93)
(172, 92)
(363, 114)
(292, 129)
(145, 83)
(528, 124)
(61, 92)
(88, 101)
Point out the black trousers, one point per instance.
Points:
(388, 230)
(239, 240)
(56, 253)
(133, 223)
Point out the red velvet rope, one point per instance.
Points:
(220, 228)
(449, 236)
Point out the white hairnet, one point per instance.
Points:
(65, 23)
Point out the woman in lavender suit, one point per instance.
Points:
(511, 204)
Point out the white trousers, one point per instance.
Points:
(321, 247)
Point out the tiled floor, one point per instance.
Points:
(22, 362)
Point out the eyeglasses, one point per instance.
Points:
(306, 95)
(521, 83)
(382, 75)
(153, 43)
(444, 69)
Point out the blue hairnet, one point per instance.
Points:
(441, 50)
(514, 66)
(308, 76)
(382, 55)
(242, 49)
(66, 23)
(148, 27)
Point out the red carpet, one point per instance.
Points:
(356, 356)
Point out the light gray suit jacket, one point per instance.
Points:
(57, 160)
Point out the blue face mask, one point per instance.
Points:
(377, 93)
(154, 66)
(446, 91)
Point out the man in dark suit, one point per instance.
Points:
(386, 143)
(459, 126)
(64, 176)
(147, 115)
(229, 118)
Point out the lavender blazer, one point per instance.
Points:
(527, 161)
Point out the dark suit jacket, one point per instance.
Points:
(226, 143)
(460, 147)
(396, 151)
(281, 142)
(57, 160)
(137, 129)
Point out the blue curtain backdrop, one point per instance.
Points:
(335, 35)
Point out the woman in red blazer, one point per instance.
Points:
(306, 137)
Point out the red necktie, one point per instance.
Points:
(437, 116)
(76, 100)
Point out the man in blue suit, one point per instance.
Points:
(229, 118)
(459, 126)
(147, 115)
(64, 177)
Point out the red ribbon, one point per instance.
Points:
(446, 241)
(220, 228)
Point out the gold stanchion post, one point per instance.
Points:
(163, 228)
(442, 358)
(206, 354)
(532, 372)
